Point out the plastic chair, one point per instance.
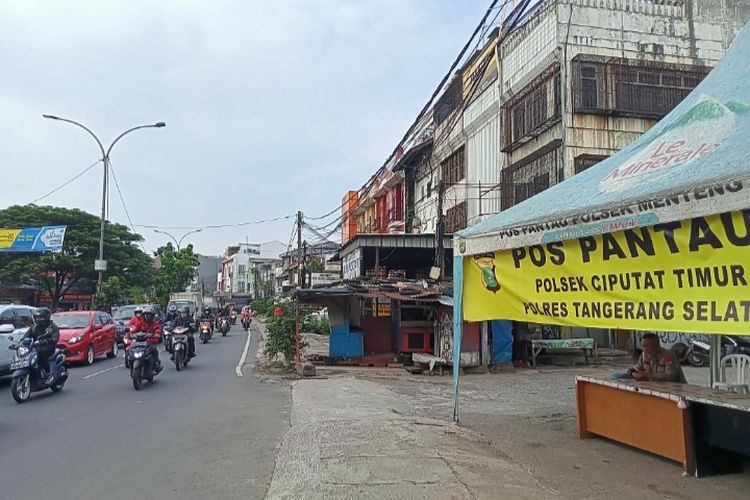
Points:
(740, 368)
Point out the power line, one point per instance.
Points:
(122, 199)
(66, 182)
(218, 226)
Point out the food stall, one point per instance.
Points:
(653, 238)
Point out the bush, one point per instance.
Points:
(316, 324)
(281, 334)
(262, 306)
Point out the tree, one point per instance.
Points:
(176, 272)
(57, 272)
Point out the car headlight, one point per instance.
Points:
(23, 351)
(76, 339)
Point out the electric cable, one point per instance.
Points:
(66, 182)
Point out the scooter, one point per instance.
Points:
(206, 331)
(246, 323)
(141, 360)
(224, 327)
(180, 346)
(27, 376)
(699, 352)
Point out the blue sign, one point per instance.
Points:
(32, 239)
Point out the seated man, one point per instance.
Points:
(657, 364)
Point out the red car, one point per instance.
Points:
(87, 335)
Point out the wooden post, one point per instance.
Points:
(581, 411)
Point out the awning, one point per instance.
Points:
(693, 163)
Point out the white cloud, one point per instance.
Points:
(271, 106)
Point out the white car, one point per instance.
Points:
(15, 321)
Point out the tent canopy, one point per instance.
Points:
(693, 163)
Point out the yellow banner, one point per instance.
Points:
(8, 236)
(687, 276)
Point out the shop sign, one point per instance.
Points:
(32, 239)
(684, 276)
(352, 265)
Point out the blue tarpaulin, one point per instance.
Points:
(502, 342)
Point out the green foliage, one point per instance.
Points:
(263, 306)
(315, 266)
(281, 334)
(316, 324)
(57, 272)
(176, 272)
(114, 292)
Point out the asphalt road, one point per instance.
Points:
(202, 433)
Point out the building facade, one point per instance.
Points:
(248, 269)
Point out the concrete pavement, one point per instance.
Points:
(200, 433)
(353, 438)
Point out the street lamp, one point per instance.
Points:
(178, 242)
(101, 264)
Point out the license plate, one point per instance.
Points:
(22, 363)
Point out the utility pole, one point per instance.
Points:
(440, 232)
(100, 265)
(297, 350)
(306, 283)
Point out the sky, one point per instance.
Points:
(271, 106)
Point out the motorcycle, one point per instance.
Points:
(141, 360)
(233, 317)
(206, 331)
(699, 352)
(180, 348)
(246, 323)
(27, 376)
(224, 327)
(167, 339)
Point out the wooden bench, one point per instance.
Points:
(588, 346)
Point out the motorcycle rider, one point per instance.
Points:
(151, 325)
(171, 314)
(137, 318)
(183, 321)
(45, 335)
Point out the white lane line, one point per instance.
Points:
(101, 371)
(238, 368)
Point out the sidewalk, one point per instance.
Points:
(352, 438)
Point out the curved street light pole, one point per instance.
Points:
(105, 160)
(178, 242)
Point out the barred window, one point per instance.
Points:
(455, 218)
(454, 167)
(532, 175)
(624, 87)
(536, 108)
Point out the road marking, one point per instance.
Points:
(101, 371)
(238, 368)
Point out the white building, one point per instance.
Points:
(248, 267)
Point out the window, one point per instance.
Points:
(25, 317)
(585, 161)
(241, 269)
(449, 101)
(455, 218)
(241, 286)
(623, 87)
(454, 167)
(532, 175)
(535, 109)
(7, 317)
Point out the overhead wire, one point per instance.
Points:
(66, 182)
(122, 200)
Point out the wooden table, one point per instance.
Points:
(706, 430)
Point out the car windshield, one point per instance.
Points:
(183, 303)
(71, 320)
(125, 312)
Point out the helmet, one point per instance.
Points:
(149, 311)
(42, 315)
(138, 310)
(185, 312)
(173, 308)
